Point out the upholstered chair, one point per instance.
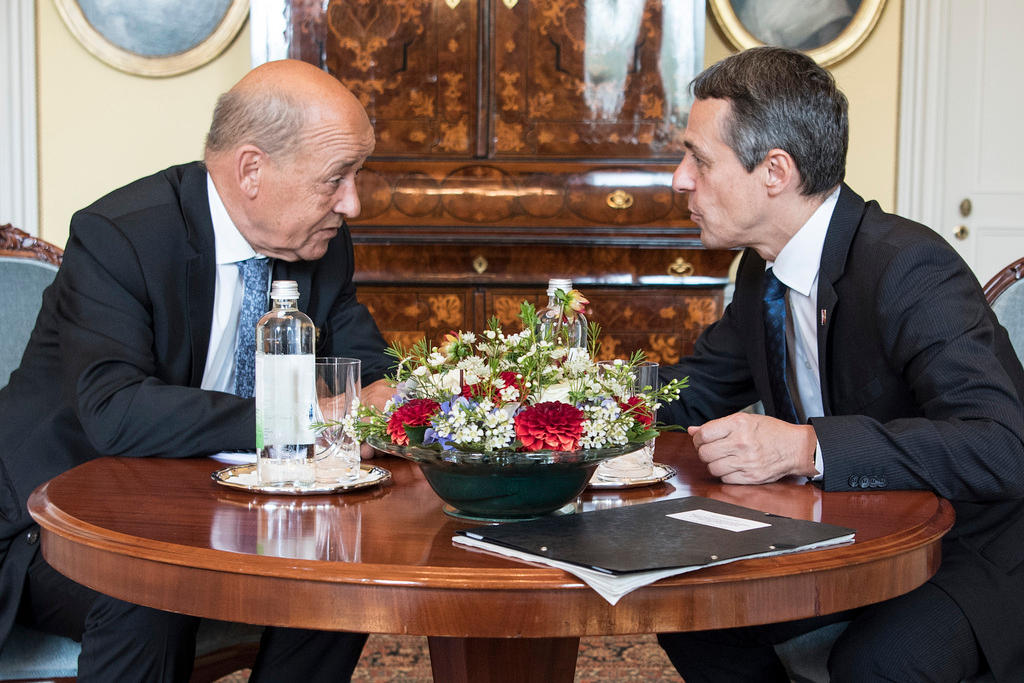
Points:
(27, 267)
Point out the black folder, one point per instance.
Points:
(644, 537)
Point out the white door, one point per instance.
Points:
(966, 64)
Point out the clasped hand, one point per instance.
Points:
(744, 448)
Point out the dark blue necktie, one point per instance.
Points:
(254, 273)
(775, 341)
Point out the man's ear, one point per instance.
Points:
(781, 172)
(250, 162)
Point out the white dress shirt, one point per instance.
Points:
(797, 266)
(231, 247)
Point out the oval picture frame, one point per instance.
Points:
(161, 64)
(849, 38)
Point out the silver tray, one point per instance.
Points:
(243, 477)
(660, 474)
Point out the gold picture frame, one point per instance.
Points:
(862, 19)
(169, 63)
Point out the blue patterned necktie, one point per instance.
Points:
(254, 273)
(775, 341)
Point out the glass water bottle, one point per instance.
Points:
(558, 324)
(284, 391)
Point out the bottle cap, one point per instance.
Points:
(284, 289)
(564, 284)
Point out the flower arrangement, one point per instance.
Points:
(526, 391)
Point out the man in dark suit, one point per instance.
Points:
(133, 350)
(879, 364)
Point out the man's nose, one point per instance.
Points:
(347, 201)
(682, 179)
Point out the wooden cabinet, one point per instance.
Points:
(519, 140)
(664, 321)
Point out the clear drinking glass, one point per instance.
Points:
(336, 455)
(639, 464)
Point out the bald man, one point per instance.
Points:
(133, 350)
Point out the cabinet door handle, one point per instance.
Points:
(619, 200)
(479, 264)
(680, 267)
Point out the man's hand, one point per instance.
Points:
(755, 449)
(375, 395)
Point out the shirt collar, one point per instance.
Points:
(230, 247)
(796, 266)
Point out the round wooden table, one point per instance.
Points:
(160, 532)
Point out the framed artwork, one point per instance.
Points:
(154, 37)
(827, 30)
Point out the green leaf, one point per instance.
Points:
(644, 436)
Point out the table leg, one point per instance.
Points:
(503, 660)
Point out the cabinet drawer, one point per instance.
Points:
(406, 314)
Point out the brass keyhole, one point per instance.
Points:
(680, 267)
(479, 264)
(619, 200)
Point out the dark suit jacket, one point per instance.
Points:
(921, 390)
(117, 355)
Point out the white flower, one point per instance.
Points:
(509, 394)
(578, 363)
(451, 381)
(556, 392)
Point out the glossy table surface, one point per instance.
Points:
(160, 532)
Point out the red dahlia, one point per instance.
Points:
(550, 426)
(638, 410)
(414, 413)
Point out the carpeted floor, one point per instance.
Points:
(620, 659)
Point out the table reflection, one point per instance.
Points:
(322, 529)
(780, 498)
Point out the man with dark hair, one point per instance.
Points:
(879, 364)
(133, 352)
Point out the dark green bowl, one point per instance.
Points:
(505, 485)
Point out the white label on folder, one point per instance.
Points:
(717, 520)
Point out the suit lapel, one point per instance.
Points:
(841, 230)
(200, 268)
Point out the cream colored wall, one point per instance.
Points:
(870, 77)
(100, 128)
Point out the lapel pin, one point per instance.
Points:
(823, 314)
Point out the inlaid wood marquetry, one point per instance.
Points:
(544, 106)
(514, 144)
(413, 65)
(658, 322)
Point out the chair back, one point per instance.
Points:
(27, 267)
(1005, 294)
